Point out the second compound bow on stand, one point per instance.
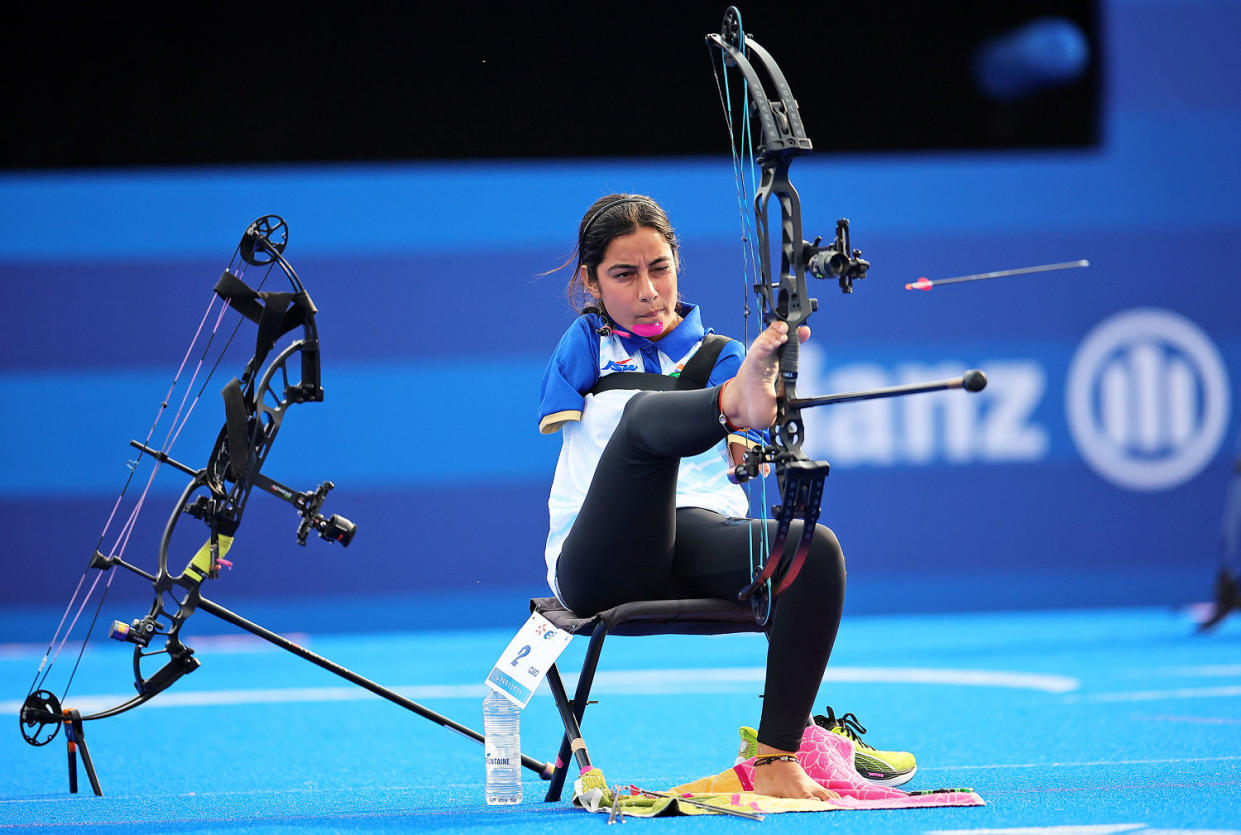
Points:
(785, 296)
(255, 405)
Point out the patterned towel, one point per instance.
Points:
(826, 757)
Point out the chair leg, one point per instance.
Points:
(587, 678)
(572, 732)
(571, 712)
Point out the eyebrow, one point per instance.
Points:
(657, 261)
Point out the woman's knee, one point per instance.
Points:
(637, 416)
(826, 559)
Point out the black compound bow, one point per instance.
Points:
(255, 405)
(254, 409)
(785, 297)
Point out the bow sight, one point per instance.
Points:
(836, 260)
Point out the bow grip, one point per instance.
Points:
(789, 353)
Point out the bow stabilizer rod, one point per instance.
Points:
(972, 381)
(543, 769)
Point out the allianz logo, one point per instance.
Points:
(1146, 401)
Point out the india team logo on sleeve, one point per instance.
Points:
(1147, 399)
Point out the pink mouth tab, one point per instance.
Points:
(648, 329)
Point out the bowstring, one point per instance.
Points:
(743, 160)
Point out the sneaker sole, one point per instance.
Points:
(898, 778)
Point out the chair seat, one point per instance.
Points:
(692, 616)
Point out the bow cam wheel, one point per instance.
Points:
(264, 240)
(731, 30)
(40, 718)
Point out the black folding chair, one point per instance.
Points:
(700, 616)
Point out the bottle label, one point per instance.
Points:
(527, 658)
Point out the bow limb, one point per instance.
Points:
(781, 128)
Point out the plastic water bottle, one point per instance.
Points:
(502, 749)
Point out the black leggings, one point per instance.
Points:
(631, 542)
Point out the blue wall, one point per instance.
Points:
(435, 327)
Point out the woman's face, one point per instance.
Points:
(638, 283)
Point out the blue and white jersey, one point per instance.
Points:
(586, 421)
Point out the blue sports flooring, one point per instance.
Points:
(1082, 721)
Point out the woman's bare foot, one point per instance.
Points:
(779, 778)
(749, 399)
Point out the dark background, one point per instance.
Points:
(264, 83)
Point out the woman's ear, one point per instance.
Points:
(592, 289)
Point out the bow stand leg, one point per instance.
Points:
(75, 738)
